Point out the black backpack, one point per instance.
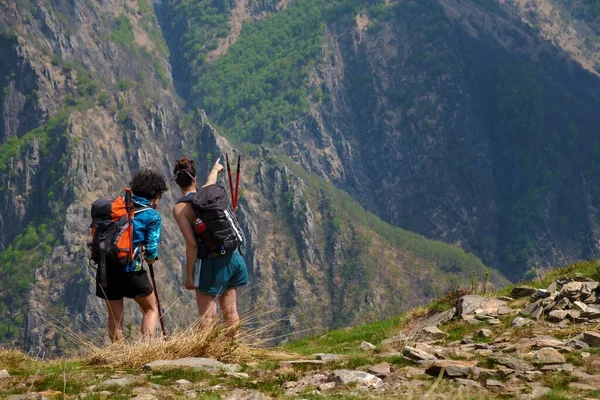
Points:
(212, 206)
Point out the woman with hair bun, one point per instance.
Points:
(220, 274)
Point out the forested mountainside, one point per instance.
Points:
(471, 122)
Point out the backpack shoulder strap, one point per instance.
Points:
(186, 199)
(140, 209)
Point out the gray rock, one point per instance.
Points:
(381, 370)
(468, 304)
(416, 355)
(512, 362)
(522, 291)
(195, 363)
(326, 386)
(183, 382)
(548, 355)
(344, 377)
(571, 290)
(468, 382)
(433, 333)
(541, 294)
(577, 344)
(493, 383)
(328, 357)
(122, 381)
(557, 315)
(590, 313)
(366, 346)
(394, 339)
(4, 374)
(562, 304)
(484, 333)
(241, 394)
(300, 362)
(558, 367)
(591, 338)
(533, 310)
(591, 299)
(505, 298)
(553, 287)
(505, 310)
(581, 386)
(520, 321)
(579, 306)
(452, 368)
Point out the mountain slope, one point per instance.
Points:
(87, 100)
(452, 119)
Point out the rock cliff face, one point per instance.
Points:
(458, 121)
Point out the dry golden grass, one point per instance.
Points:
(215, 343)
(11, 357)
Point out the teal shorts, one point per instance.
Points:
(218, 274)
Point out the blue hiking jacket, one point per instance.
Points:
(146, 231)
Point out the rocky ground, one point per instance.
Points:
(535, 343)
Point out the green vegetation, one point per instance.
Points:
(586, 10)
(17, 264)
(122, 32)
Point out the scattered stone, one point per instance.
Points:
(581, 386)
(468, 382)
(512, 362)
(241, 394)
(493, 383)
(541, 294)
(484, 333)
(381, 370)
(241, 375)
(579, 306)
(548, 355)
(533, 310)
(344, 377)
(520, 321)
(505, 298)
(366, 346)
(434, 333)
(592, 338)
(417, 355)
(585, 354)
(591, 313)
(4, 374)
(394, 339)
(577, 344)
(452, 368)
(326, 386)
(468, 304)
(505, 310)
(183, 382)
(284, 364)
(122, 381)
(562, 304)
(327, 357)
(557, 315)
(571, 290)
(195, 363)
(522, 291)
(558, 367)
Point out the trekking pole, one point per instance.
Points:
(230, 181)
(160, 315)
(237, 183)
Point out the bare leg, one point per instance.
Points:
(150, 309)
(207, 308)
(115, 319)
(228, 302)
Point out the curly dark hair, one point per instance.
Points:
(185, 172)
(148, 184)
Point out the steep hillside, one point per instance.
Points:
(453, 119)
(87, 99)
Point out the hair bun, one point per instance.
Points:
(182, 164)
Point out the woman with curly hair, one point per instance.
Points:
(147, 187)
(220, 275)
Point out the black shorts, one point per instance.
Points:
(125, 284)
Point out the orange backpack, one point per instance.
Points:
(112, 234)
